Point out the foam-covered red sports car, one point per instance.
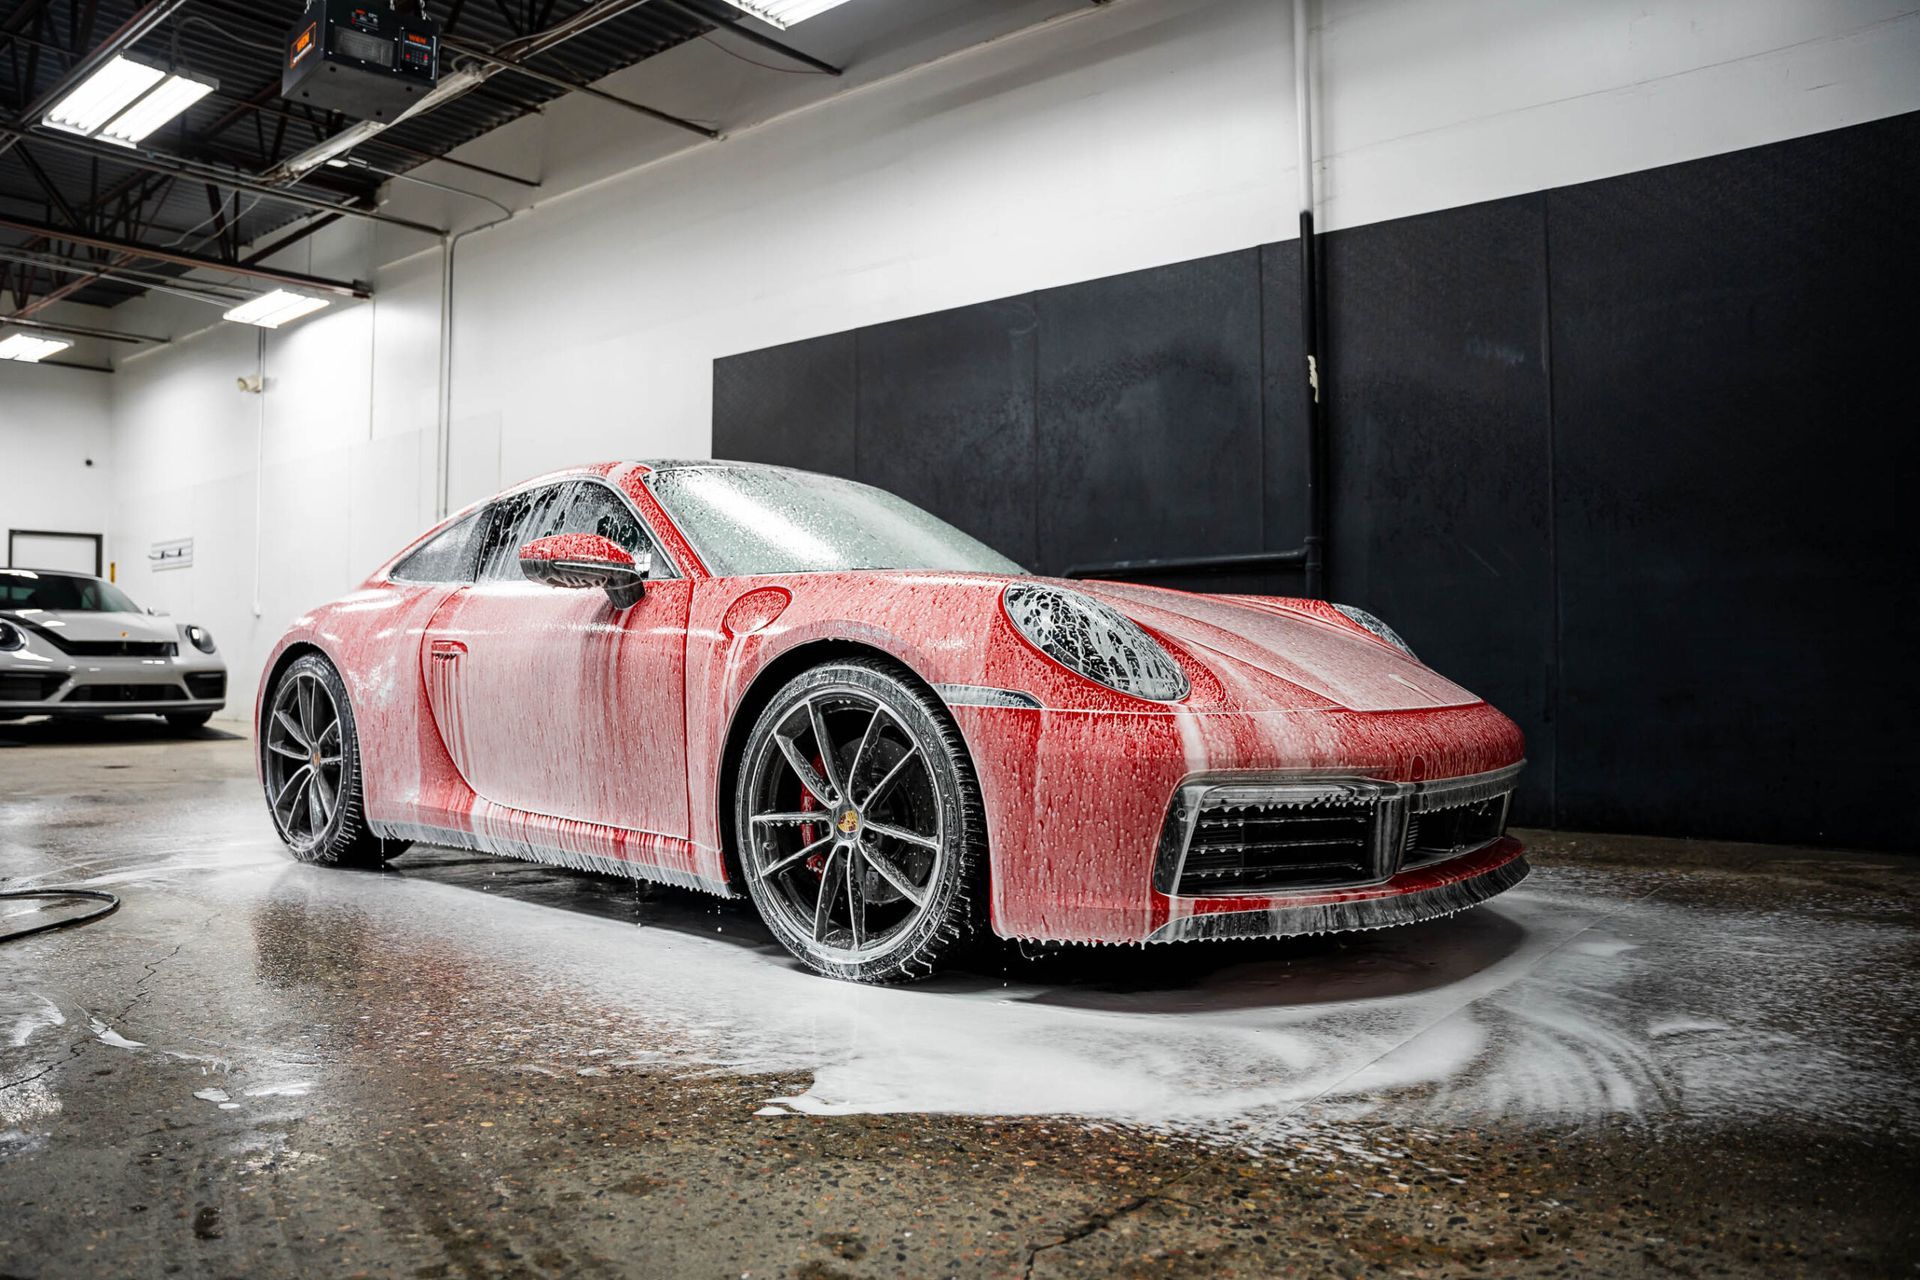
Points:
(746, 679)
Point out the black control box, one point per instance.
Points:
(369, 59)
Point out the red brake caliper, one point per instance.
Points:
(817, 863)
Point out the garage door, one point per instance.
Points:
(37, 549)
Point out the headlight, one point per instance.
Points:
(199, 637)
(1090, 639)
(11, 638)
(1361, 618)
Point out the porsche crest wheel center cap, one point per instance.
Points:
(849, 822)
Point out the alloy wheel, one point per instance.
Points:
(844, 824)
(304, 759)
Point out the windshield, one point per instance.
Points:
(29, 589)
(750, 520)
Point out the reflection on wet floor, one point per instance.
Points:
(274, 1025)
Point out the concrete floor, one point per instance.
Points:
(1654, 1058)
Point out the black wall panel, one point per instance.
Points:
(1438, 404)
(1148, 402)
(1630, 458)
(946, 418)
(1734, 344)
(793, 405)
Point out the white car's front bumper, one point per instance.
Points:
(42, 681)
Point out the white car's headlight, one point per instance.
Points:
(1361, 618)
(1095, 641)
(199, 637)
(11, 638)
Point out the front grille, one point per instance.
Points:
(1443, 832)
(120, 648)
(28, 686)
(127, 693)
(207, 685)
(1250, 835)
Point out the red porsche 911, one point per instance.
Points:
(743, 678)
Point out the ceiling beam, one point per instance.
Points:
(339, 288)
(155, 162)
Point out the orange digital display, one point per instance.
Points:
(302, 44)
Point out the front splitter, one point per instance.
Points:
(1382, 911)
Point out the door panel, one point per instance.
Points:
(552, 701)
(549, 699)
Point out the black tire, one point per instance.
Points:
(905, 863)
(184, 720)
(314, 831)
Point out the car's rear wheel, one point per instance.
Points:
(310, 762)
(859, 824)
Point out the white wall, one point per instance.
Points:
(54, 450)
(1097, 140)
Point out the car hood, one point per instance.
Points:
(1303, 642)
(86, 625)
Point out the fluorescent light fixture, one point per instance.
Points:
(271, 310)
(172, 96)
(784, 13)
(126, 100)
(299, 166)
(28, 349)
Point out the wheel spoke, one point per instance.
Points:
(281, 749)
(829, 757)
(293, 730)
(293, 784)
(854, 905)
(775, 868)
(304, 697)
(860, 752)
(316, 814)
(886, 782)
(822, 903)
(324, 792)
(904, 886)
(332, 731)
(790, 819)
(804, 771)
(901, 833)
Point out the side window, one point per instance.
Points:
(447, 558)
(595, 508)
(518, 520)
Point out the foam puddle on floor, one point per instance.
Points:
(1580, 994)
(1576, 995)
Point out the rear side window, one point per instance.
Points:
(518, 519)
(446, 558)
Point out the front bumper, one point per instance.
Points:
(1077, 803)
(39, 685)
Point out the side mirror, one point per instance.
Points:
(587, 560)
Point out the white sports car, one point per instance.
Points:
(75, 645)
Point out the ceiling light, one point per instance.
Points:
(28, 349)
(126, 100)
(784, 13)
(295, 167)
(172, 96)
(271, 310)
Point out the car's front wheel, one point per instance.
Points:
(310, 762)
(859, 824)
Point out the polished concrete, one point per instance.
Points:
(1652, 1058)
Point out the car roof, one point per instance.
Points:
(50, 573)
